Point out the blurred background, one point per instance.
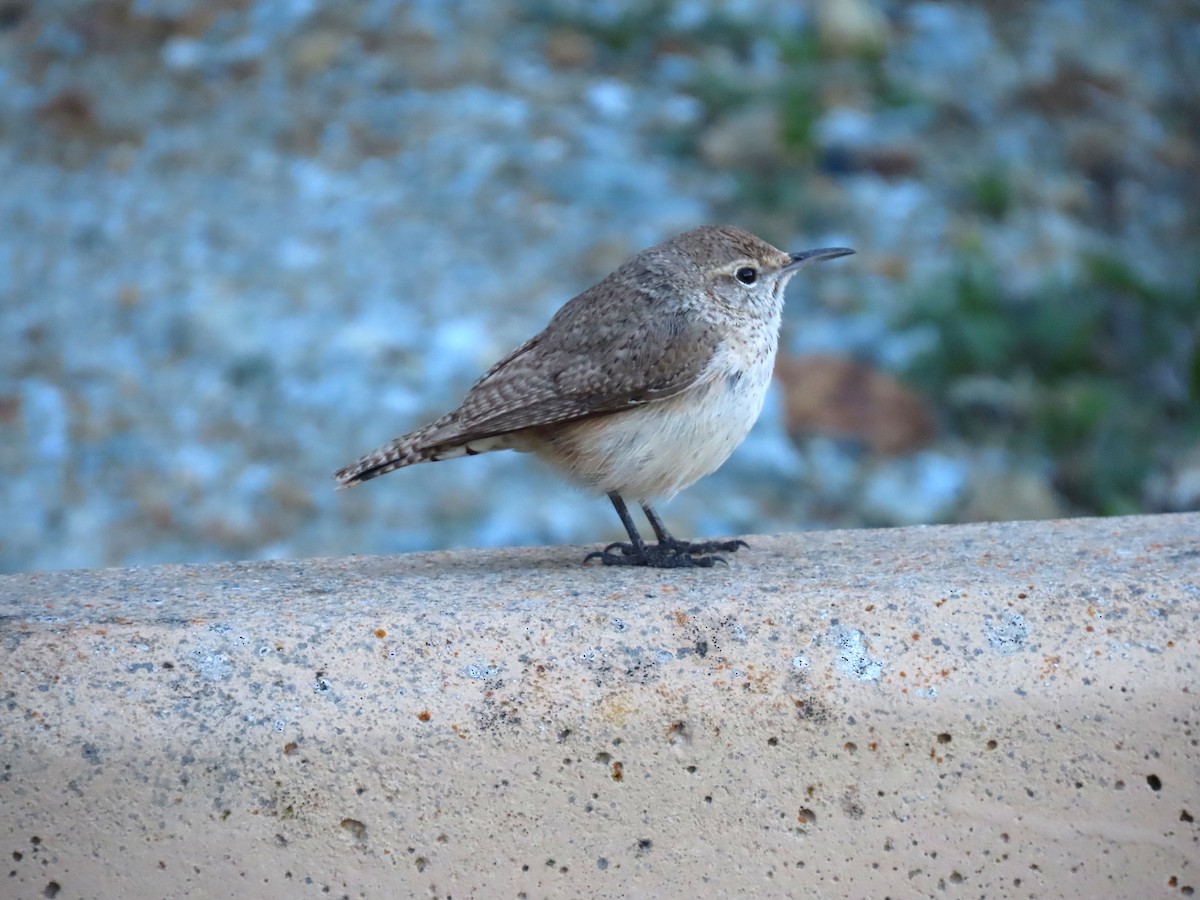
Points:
(242, 243)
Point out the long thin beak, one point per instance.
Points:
(806, 256)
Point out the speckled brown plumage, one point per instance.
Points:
(640, 385)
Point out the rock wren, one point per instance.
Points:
(639, 386)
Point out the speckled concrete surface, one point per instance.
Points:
(1003, 711)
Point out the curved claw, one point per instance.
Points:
(627, 555)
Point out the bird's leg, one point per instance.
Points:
(637, 552)
(665, 539)
(635, 549)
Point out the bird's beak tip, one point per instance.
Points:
(807, 256)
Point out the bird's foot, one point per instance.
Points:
(704, 547)
(673, 555)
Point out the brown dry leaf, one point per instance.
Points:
(70, 113)
(567, 48)
(846, 398)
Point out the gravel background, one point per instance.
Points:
(243, 242)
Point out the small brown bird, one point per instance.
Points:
(637, 387)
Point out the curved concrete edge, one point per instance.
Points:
(999, 710)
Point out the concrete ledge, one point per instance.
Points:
(1000, 710)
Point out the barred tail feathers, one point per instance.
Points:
(419, 446)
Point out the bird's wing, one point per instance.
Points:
(568, 373)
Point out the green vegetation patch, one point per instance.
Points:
(1101, 374)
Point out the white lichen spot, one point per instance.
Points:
(1007, 633)
(481, 670)
(853, 658)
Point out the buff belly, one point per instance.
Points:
(654, 451)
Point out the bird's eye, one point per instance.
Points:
(746, 275)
